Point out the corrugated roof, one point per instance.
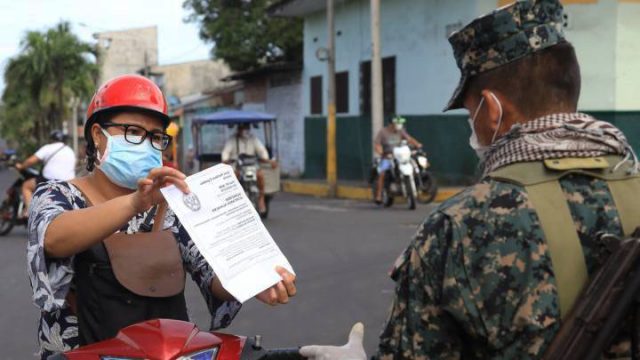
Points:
(265, 69)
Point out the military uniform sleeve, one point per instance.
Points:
(418, 327)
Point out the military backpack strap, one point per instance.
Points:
(541, 182)
(625, 196)
(565, 249)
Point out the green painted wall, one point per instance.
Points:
(353, 141)
(627, 121)
(445, 139)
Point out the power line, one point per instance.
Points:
(182, 55)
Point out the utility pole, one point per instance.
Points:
(74, 124)
(376, 71)
(332, 168)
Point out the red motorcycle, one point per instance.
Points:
(176, 340)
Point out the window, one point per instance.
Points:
(316, 95)
(342, 92)
(388, 86)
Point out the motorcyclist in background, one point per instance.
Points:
(59, 163)
(386, 139)
(245, 143)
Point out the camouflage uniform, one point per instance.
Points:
(477, 280)
(477, 283)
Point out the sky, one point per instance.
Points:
(177, 41)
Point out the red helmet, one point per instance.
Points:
(128, 92)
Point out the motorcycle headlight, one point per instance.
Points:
(209, 354)
(422, 160)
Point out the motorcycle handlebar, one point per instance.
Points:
(283, 354)
(277, 354)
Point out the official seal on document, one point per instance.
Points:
(191, 201)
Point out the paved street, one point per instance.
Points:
(341, 251)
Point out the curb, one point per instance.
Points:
(349, 192)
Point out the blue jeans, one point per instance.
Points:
(384, 165)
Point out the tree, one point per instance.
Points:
(51, 68)
(243, 34)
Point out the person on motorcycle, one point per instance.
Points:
(245, 143)
(103, 250)
(386, 139)
(59, 163)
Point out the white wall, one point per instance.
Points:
(592, 31)
(628, 57)
(286, 104)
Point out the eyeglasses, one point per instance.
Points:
(135, 134)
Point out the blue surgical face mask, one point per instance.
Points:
(125, 163)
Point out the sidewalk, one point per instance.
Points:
(353, 190)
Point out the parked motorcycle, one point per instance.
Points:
(408, 177)
(165, 339)
(12, 206)
(248, 166)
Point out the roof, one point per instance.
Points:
(297, 8)
(233, 117)
(265, 70)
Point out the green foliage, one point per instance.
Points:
(243, 34)
(51, 68)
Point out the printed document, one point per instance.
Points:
(228, 231)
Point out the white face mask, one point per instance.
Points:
(481, 150)
(398, 127)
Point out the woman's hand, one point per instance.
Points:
(280, 292)
(148, 192)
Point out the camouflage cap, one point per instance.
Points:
(502, 36)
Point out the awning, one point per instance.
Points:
(231, 117)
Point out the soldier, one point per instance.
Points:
(492, 271)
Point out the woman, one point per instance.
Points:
(103, 251)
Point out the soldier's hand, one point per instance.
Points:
(353, 350)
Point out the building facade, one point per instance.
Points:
(126, 51)
(420, 74)
(188, 78)
(276, 89)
